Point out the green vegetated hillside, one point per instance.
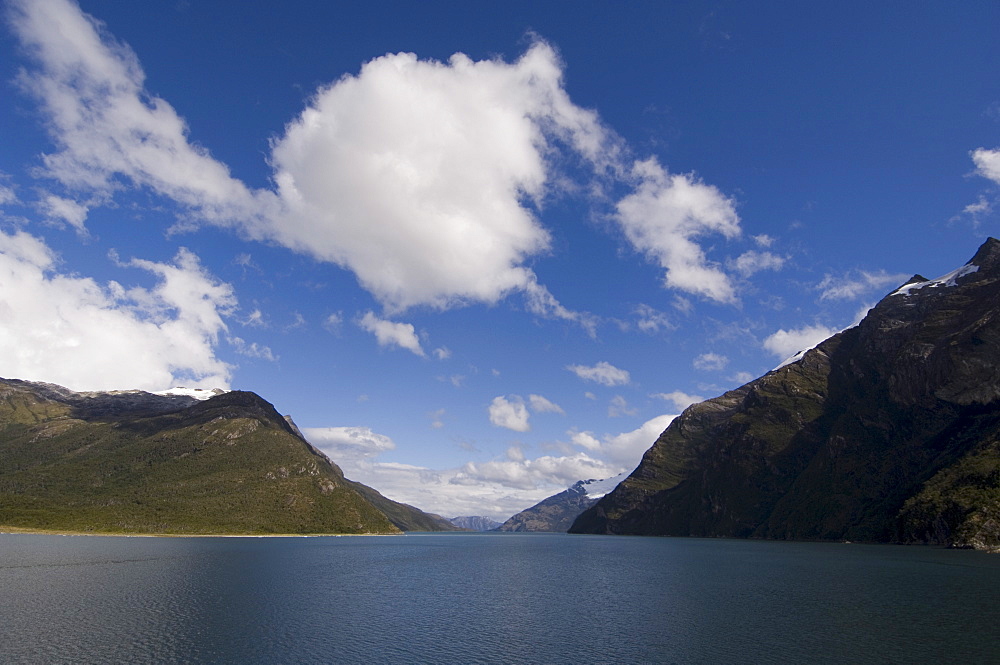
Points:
(139, 463)
(887, 432)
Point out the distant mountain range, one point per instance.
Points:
(888, 431)
(475, 523)
(558, 512)
(180, 462)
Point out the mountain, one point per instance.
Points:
(404, 516)
(558, 512)
(183, 462)
(888, 432)
(476, 523)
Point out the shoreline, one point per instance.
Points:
(17, 530)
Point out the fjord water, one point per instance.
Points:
(504, 598)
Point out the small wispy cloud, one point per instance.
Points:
(786, 343)
(603, 372)
(710, 362)
(680, 400)
(540, 404)
(391, 333)
(619, 407)
(252, 349)
(752, 261)
(857, 284)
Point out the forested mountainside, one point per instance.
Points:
(136, 462)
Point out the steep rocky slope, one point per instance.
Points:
(134, 462)
(888, 431)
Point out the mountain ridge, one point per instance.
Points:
(137, 462)
(846, 442)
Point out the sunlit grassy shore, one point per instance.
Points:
(7, 530)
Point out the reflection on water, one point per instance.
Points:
(510, 598)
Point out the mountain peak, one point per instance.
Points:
(985, 264)
(988, 255)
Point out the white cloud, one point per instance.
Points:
(619, 407)
(710, 362)
(252, 350)
(437, 418)
(333, 322)
(412, 174)
(345, 445)
(7, 194)
(683, 305)
(786, 343)
(65, 210)
(529, 474)
(603, 372)
(448, 492)
(976, 212)
(742, 377)
(651, 320)
(255, 319)
(460, 147)
(752, 261)
(542, 303)
(74, 332)
(680, 399)
(390, 333)
(515, 454)
(585, 440)
(763, 240)
(104, 123)
(857, 284)
(540, 404)
(987, 163)
(663, 217)
(442, 353)
(499, 487)
(627, 448)
(623, 451)
(421, 177)
(509, 412)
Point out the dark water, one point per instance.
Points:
(491, 599)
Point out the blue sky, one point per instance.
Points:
(474, 279)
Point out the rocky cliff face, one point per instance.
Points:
(135, 462)
(888, 431)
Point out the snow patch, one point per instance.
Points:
(197, 393)
(595, 489)
(951, 279)
(796, 357)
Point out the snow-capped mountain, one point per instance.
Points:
(558, 512)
